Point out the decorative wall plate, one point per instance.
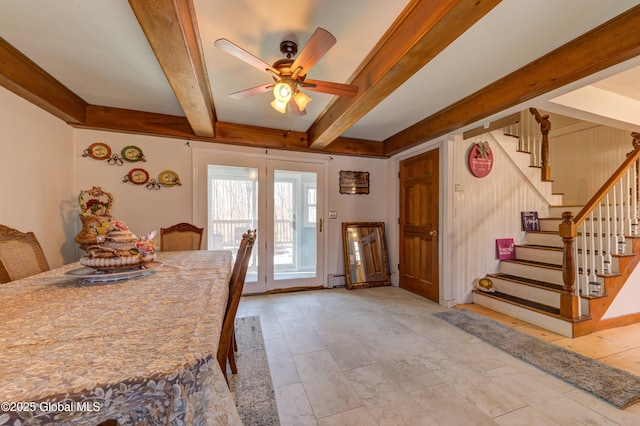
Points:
(169, 178)
(132, 154)
(137, 176)
(98, 151)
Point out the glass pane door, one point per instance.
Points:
(295, 225)
(281, 199)
(233, 204)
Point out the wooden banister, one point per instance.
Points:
(607, 186)
(568, 230)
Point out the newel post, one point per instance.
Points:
(545, 127)
(568, 300)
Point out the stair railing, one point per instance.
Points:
(602, 224)
(532, 131)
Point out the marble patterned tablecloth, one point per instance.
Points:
(142, 350)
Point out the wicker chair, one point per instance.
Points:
(20, 255)
(227, 346)
(183, 236)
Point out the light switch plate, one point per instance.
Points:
(333, 214)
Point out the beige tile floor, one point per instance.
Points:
(378, 357)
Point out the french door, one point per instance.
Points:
(282, 199)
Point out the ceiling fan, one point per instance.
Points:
(290, 74)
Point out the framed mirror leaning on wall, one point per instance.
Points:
(366, 262)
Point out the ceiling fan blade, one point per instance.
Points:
(253, 91)
(240, 53)
(320, 42)
(348, 90)
(295, 110)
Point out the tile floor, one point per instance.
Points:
(378, 357)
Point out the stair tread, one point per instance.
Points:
(534, 263)
(540, 246)
(537, 283)
(524, 302)
(535, 307)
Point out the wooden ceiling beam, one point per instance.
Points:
(26, 79)
(609, 44)
(148, 123)
(172, 31)
(261, 137)
(139, 122)
(424, 29)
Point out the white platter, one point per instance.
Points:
(94, 276)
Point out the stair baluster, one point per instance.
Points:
(634, 200)
(614, 187)
(607, 258)
(622, 244)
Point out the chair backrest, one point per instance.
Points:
(236, 284)
(183, 236)
(20, 255)
(237, 265)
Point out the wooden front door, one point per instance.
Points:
(419, 203)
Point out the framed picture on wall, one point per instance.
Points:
(354, 182)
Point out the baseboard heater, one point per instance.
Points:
(336, 281)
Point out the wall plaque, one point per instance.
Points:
(354, 182)
(480, 159)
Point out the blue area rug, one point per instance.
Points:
(617, 387)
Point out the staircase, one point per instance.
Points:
(567, 274)
(529, 286)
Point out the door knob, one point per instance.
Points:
(433, 233)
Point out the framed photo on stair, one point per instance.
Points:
(505, 249)
(530, 221)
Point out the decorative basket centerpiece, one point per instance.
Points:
(109, 244)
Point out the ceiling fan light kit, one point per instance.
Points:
(290, 74)
(282, 92)
(301, 99)
(279, 106)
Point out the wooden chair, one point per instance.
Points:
(183, 236)
(20, 255)
(227, 347)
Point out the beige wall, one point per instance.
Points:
(144, 210)
(37, 176)
(43, 171)
(583, 158)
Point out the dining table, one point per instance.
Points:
(78, 348)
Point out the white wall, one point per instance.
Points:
(598, 150)
(484, 210)
(37, 176)
(370, 207)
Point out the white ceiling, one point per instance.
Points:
(97, 49)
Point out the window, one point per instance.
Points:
(310, 205)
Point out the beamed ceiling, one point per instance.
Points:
(424, 68)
